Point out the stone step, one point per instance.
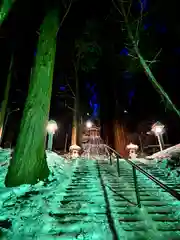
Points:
(84, 201)
(82, 195)
(161, 209)
(153, 203)
(81, 209)
(140, 226)
(164, 218)
(74, 190)
(87, 186)
(84, 204)
(143, 235)
(78, 216)
(121, 197)
(129, 193)
(154, 216)
(129, 219)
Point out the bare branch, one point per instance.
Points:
(67, 11)
(129, 8)
(65, 15)
(71, 90)
(154, 59)
(115, 5)
(139, 21)
(132, 56)
(71, 108)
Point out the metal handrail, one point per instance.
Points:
(152, 178)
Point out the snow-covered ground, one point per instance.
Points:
(168, 152)
(145, 161)
(25, 211)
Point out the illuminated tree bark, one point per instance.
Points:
(120, 139)
(143, 62)
(4, 9)
(74, 131)
(28, 164)
(75, 125)
(5, 101)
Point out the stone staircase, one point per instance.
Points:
(161, 175)
(82, 212)
(99, 205)
(156, 219)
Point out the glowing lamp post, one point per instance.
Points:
(51, 129)
(89, 124)
(132, 148)
(158, 130)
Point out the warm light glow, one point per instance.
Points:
(132, 146)
(52, 127)
(89, 124)
(157, 128)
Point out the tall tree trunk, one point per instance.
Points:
(77, 110)
(4, 9)
(75, 126)
(144, 64)
(74, 129)
(28, 164)
(5, 100)
(120, 139)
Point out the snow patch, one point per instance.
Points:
(26, 210)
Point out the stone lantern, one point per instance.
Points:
(74, 151)
(132, 148)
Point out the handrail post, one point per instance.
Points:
(136, 187)
(110, 158)
(118, 168)
(173, 192)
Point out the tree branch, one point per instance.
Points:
(66, 13)
(147, 69)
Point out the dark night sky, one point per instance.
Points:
(19, 34)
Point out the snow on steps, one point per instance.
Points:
(25, 209)
(161, 172)
(88, 201)
(99, 205)
(157, 219)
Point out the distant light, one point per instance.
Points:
(157, 128)
(87, 114)
(125, 111)
(52, 127)
(149, 132)
(89, 124)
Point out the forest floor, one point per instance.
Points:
(24, 210)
